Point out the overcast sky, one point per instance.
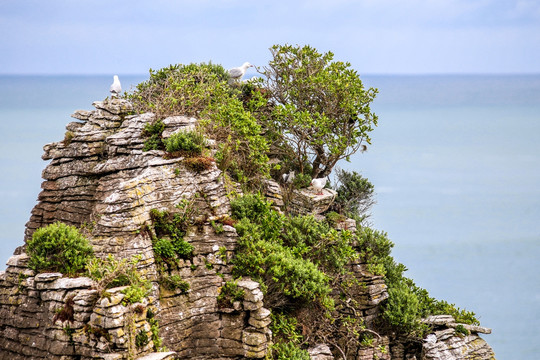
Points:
(376, 36)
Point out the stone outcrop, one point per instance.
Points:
(451, 340)
(100, 180)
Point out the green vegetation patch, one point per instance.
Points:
(59, 247)
(294, 258)
(111, 272)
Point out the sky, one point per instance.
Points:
(375, 36)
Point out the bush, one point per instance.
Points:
(242, 148)
(174, 282)
(229, 293)
(294, 258)
(170, 228)
(402, 308)
(190, 142)
(152, 132)
(289, 351)
(59, 247)
(111, 272)
(354, 195)
(181, 90)
(250, 206)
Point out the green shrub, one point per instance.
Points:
(111, 272)
(152, 132)
(294, 258)
(302, 181)
(59, 247)
(174, 282)
(141, 339)
(354, 195)
(402, 308)
(285, 328)
(250, 206)
(181, 90)
(229, 293)
(289, 351)
(375, 248)
(190, 142)
(242, 148)
(169, 245)
(460, 330)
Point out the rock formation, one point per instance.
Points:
(100, 180)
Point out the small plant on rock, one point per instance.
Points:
(189, 142)
(110, 273)
(230, 292)
(152, 132)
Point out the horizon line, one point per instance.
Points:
(361, 74)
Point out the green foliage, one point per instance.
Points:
(190, 142)
(202, 90)
(322, 108)
(366, 340)
(153, 131)
(174, 282)
(285, 327)
(250, 206)
(154, 329)
(460, 330)
(169, 245)
(59, 247)
(242, 148)
(293, 257)
(141, 339)
(229, 293)
(402, 308)
(111, 272)
(302, 181)
(181, 90)
(287, 337)
(354, 195)
(288, 351)
(375, 248)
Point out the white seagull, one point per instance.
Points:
(318, 184)
(116, 88)
(236, 73)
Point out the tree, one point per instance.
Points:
(321, 107)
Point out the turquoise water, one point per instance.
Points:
(456, 165)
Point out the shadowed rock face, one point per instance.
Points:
(100, 179)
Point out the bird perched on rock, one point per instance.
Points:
(318, 184)
(236, 73)
(288, 177)
(116, 87)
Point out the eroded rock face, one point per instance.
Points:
(101, 180)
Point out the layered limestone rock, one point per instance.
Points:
(100, 180)
(451, 340)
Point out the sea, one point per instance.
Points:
(455, 160)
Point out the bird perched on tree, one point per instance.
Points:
(318, 184)
(235, 74)
(116, 87)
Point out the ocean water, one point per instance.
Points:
(455, 162)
